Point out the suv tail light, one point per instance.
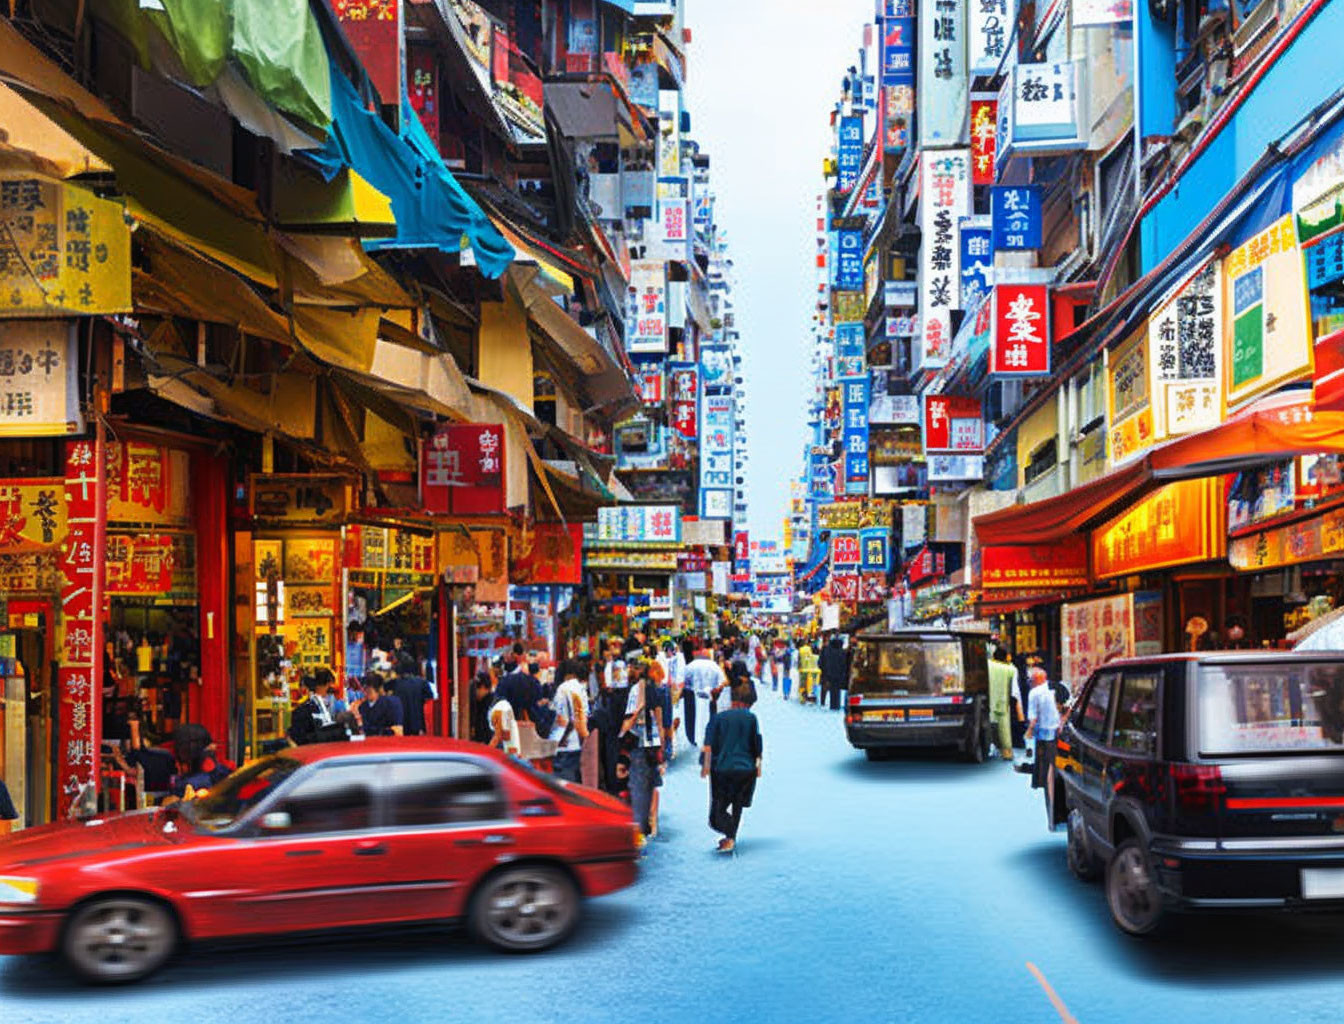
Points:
(1197, 788)
(855, 700)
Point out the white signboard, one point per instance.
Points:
(39, 379)
(1185, 356)
(945, 197)
(990, 27)
(944, 468)
(646, 317)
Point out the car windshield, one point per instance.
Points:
(229, 799)
(902, 668)
(1277, 708)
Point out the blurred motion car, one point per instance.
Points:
(1204, 782)
(919, 688)
(330, 836)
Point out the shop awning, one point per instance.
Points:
(1052, 519)
(1005, 604)
(585, 110)
(33, 141)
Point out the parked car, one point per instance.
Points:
(919, 688)
(1197, 782)
(320, 837)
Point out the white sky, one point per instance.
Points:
(763, 76)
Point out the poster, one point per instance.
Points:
(945, 196)
(646, 320)
(684, 382)
(942, 94)
(1185, 350)
(39, 378)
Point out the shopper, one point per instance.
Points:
(704, 680)
(732, 760)
(1042, 726)
(834, 671)
(643, 744)
(1002, 683)
(312, 720)
(481, 686)
(198, 764)
(786, 654)
(570, 729)
(356, 657)
(504, 726)
(380, 712)
(413, 691)
(809, 675)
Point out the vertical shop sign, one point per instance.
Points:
(462, 469)
(953, 423)
(1042, 108)
(581, 44)
(1267, 336)
(942, 97)
(646, 319)
(988, 30)
(422, 82)
(1129, 411)
(822, 484)
(945, 193)
(849, 256)
(977, 261)
(1184, 343)
(649, 384)
(684, 380)
(374, 28)
(716, 458)
(876, 548)
(845, 549)
(849, 152)
(742, 549)
(1021, 343)
(39, 379)
(984, 138)
(856, 434)
(898, 51)
(896, 97)
(1015, 212)
(80, 633)
(849, 350)
(669, 143)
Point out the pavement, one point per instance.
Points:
(921, 889)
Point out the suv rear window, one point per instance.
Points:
(902, 668)
(1247, 709)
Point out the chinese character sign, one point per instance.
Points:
(649, 385)
(875, 542)
(1021, 342)
(1185, 349)
(462, 469)
(984, 139)
(39, 383)
(953, 423)
(845, 548)
(977, 262)
(1015, 212)
(849, 152)
(942, 94)
(990, 26)
(1044, 107)
(849, 350)
(684, 380)
(639, 524)
(849, 260)
(945, 195)
(898, 52)
(80, 627)
(646, 316)
(855, 433)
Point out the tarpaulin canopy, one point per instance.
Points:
(32, 141)
(432, 209)
(1051, 519)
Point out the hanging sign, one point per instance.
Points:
(984, 138)
(80, 630)
(422, 83)
(1015, 212)
(945, 195)
(552, 554)
(953, 423)
(646, 320)
(876, 549)
(1184, 352)
(374, 28)
(849, 259)
(1129, 410)
(849, 153)
(684, 379)
(39, 378)
(977, 261)
(942, 74)
(32, 515)
(1021, 342)
(462, 469)
(990, 26)
(856, 434)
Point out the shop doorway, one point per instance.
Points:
(28, 736)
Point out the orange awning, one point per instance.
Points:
(1052, 519)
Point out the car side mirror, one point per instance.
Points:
(276, 821)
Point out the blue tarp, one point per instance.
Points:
(432, 209)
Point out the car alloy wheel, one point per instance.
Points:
(526, 908)
(1131, 891)
(1081, 862)
(119, 938)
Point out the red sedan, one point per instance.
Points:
(330, 836)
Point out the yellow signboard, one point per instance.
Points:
(63, 250)
(39, 378)
(1129, 407)
(32, 514)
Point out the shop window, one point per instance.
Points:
(443, 793)
(1042, 461)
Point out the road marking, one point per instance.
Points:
(1052, 995)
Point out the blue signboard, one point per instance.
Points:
(855, 433)
(1325, 262)
(898, 51)
(875, 549)
(1015, 212)
(849, 154)
(849, 261)
(822, 483)
(977, 260)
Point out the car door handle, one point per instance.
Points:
(494, 839)
(370, 849)
(303, 853)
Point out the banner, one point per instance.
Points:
(1184, 343)
(462, 469)
(39, 379)
(1021, 343)
(942, 96)
(32, 515)
(374, 29)
(977, 261)
(684, 381)
(552, 553)
(637, 524)
(80, 633)
(953, 423)
(849, 258)
(716, 457)
(1178, 524)
(646, 320)
(1058, 565)
(945, 196)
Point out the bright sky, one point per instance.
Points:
(763, 77)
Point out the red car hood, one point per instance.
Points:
(92, 837)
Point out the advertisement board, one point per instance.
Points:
(953, 423)
(945, 196)
(1185, 355)
(646, 319)
(1059, 565)
(1020, 346)
(943, 84)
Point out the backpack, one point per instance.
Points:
(543, 717)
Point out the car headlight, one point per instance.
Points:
(17, 890)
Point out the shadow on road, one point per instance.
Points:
(1197, 949)
(348, 954)
(917, 766)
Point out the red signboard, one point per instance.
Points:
(845, 549)
(953, 423)
(375, 33)
(926, 565)
(462, 470)
(984, 132)
(845, 587)
(552, 555)
(649, 386)
(742, 547)
(139, 563)
(1040, 566)
(1021, 343)
(422, 82)
(685, 381)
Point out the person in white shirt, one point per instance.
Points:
(571, 722)
(504, 729)
(1042, 726)
(704, 679)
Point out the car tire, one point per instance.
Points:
(1082, 863)
(525, 908)
(977, 743)
(1132, 893)
(113, 940)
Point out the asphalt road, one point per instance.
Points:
(916, 890)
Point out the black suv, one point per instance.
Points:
(1206, 781)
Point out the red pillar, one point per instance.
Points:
(209, 497)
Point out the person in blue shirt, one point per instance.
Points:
(380, 712)
(732, 760)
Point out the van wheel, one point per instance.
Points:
(977, 743)
(525, 909)
(118, 939)
(1131, 891)
(1081, 862)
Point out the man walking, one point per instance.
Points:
(732, 761)
(704, 680)
(834, 670)
(571, 722)
(1002, 682)
(1042, 726)
(413, 691)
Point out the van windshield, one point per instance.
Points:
(1278, 708)
(899, 668)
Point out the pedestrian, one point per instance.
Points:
(481, 686)
(1002, 682)
(809, 674)
(1042, 726)
(313, 716)
(380, 712)
(197, 762)
(786, 666)
(732, 759)
(570, 728)
(356, 657)
(643, 745)
(413, 691)
(834, 670)
(504, 726)
(704, 680)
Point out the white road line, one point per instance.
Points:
(1052, 995)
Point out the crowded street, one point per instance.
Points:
(919, 889)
